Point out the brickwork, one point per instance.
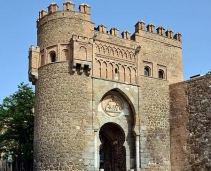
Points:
(96, 104)
(162, 53)
(178, 130)
(190, 124)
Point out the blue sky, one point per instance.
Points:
(192, 18)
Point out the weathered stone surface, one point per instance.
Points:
(190, 125)
(60, 121)
(94, 97)
(154, 110)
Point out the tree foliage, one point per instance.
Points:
(17, 124)
(208, 73)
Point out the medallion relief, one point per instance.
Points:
(112, 105)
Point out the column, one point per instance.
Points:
(127, 155)
(58, 53)
(137, 152)
(96, 151)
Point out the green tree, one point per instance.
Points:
(17, 126)
(209, 72)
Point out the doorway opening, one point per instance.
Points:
(112, 152)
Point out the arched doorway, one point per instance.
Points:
(112, 152)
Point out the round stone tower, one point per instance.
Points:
(63, 112)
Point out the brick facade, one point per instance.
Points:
(102, 101)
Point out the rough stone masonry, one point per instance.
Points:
(105, 102)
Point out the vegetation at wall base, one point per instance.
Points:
(17, 127)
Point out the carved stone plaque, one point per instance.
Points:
(112, 105)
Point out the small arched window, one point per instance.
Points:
(147, 71)
(53, 57)
(161, 74)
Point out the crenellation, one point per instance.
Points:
(140, 25)
(42, 13)
(102, 28)
(169, 33)
(33, 48)
(84, 8)
(68, 6)
(114, 31)
(178, 37)
(150, 28)
(160, 31)
(125, 34)
(53, 7)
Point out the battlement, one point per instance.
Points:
(140, 26)
(69, 35)
(33, 48)
(67, 6)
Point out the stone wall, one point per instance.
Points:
(190, 125)
(129, 118)
(69, 114)
(154, 124)
(128, 91)
(178, 130)
(63, 121)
